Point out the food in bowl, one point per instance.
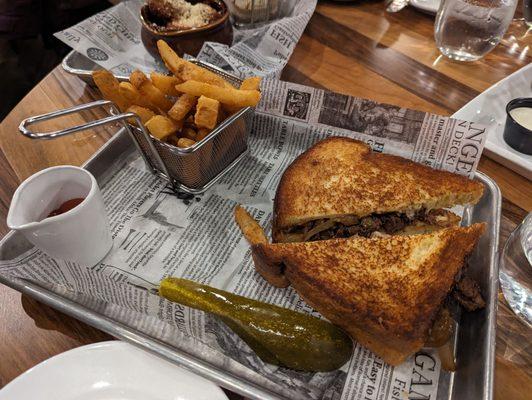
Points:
(179, 109)
(180, 15)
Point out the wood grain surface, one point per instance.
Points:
(353, 48)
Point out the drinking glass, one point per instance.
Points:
(515, 273)
(252, 13)
(466, 30)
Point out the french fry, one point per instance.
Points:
(206, 113)
(145, 114)
(202, 133)
(131, 94)
(165, 83)
(149, 91)
(186, 70)
(204, 99)
(128, 91)
(109, 87)
(182, 107)
(230, 97)
(189, 133)
(179, 125)
(184, 142)
(172, 139)
(161, 127)
(252, 83)
(251, 229)
(155, 96)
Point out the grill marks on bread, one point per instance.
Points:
(385, 292)
(341, 176)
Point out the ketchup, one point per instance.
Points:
(66, 206)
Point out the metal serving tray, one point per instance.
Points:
(475, 337)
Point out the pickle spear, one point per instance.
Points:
(277, 335)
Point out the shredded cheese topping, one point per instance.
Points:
(189, 15)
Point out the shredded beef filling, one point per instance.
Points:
(467, 293)
(388, 223)
(466, 290)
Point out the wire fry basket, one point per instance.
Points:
(191, 170)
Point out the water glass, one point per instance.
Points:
(515, 273)
(466, 30)
(253, 13)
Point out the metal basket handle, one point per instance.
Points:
(114, 115)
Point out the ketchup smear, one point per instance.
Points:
(66, 206)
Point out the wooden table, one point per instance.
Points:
(357, 49)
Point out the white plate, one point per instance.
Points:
(489, 108)
(109, 370)
(428, 6)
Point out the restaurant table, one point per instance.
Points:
(353, 48)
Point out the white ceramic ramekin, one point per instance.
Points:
(82, 234)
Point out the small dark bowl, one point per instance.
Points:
(187, 41)
(516, 135)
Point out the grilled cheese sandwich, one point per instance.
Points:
(386, 292)
(340, 188)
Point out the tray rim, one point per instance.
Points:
(223, 378)
(489, 376)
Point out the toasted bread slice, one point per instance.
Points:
(341, 177)
(385, 292)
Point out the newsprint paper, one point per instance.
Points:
(157, 235)
(113, 39)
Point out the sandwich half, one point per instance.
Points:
(386, 292)
(340, 188)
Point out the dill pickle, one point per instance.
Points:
(277, 335)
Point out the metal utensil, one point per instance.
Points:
(191, 170)
(393, 6)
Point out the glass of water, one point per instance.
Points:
(253, 13)
(466, 30)
(515, 273)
